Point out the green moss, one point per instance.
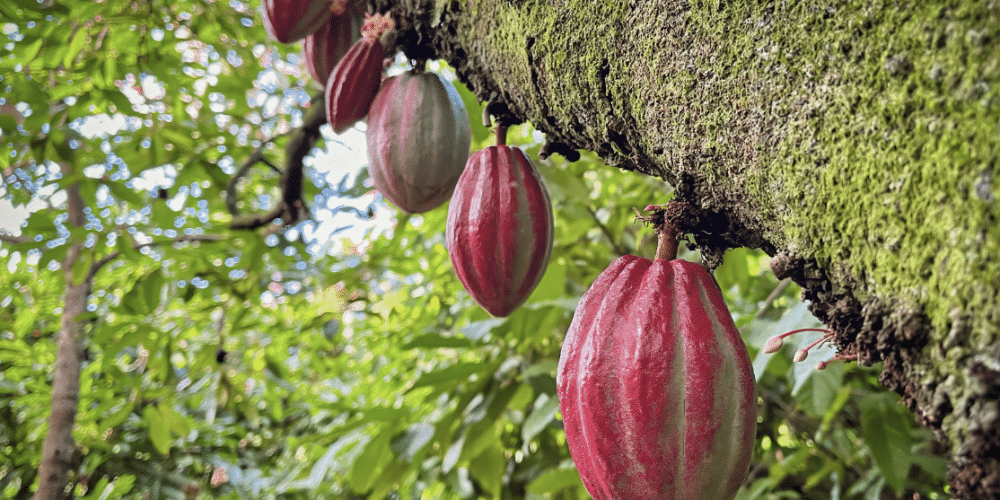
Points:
(862, 135)
(890, 180)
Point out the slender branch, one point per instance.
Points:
(778, 290)
(13, 240)
(299, 146)
(291, 207)
(256, 157)
(253, 221)
(97, 265)
(618, 248)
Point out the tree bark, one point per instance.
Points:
(58, 448)
(856, 143)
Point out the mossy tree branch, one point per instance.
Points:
(857, 145)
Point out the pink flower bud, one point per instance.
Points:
(773, 344)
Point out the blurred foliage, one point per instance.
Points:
(339, 358)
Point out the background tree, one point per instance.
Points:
(229, 342)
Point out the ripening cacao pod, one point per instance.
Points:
(655, 386)
(324, 49)
(289, 21)
(418, 140)
(356, 78)
(499, 229)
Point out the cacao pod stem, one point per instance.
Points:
(663, 219)
(666, 241)
(501, 135)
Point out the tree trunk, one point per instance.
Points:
(856, 143)
(58, 448)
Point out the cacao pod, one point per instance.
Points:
(356, 78)
(499, 230)
(324, 48)
(655, 386)
(289, 21)
(418, 140)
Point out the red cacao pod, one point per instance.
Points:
(288, 21)
(324, 48)
(655, 386)
(355, 80)
(499, 229)
(418, 140)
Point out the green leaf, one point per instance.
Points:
(182, 142)
(174, 421)
(480, 132)
(159, 433)
(125, 194)
(122, 485)
(544, 412)
(555, 480)
(564, 186)
(81, 266)
(370, 463)
(488, 469)
(118, 417)
(384, 414)
(552, 284)
(123, 105)
(734, 270)
(447, 375)
(435, 341)
(820, 389)
(152, 286)
(75, 46)
(886, 434)
(932, 464)
(8, 124)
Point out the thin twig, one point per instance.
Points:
(778, 290)
(300, 144)
(256, 156)
(97, 265)
(13, 240)
(253, 221)
(620, 250)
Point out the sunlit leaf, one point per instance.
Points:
(555, 480)
(448, 374)
(365, 469)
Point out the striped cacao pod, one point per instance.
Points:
(289, 21)
(324, 49)
(499, 229)
(655, 386)
(418, 140)
(357, 77)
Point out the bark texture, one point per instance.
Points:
(856, 142)
(58, 448)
